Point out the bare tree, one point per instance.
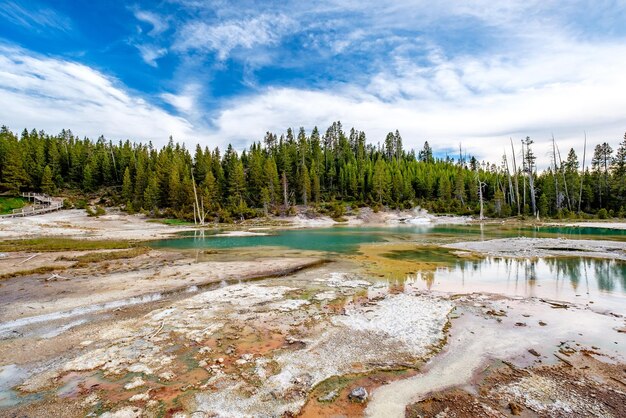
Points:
(567, 198)
(582, 176)
(508, 174)
(285, 194)
(529, 159)
(201, 215)
(524, 176)
(516, 179)
(481, 184)
(557, 200)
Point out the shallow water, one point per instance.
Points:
(581, 280)
(344, 239)
(10, 375)
(6, 328)
(475, 340)
(574, 279)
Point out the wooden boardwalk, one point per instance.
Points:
(42, 203)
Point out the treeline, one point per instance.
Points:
(325, 172)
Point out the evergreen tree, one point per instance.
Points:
(271, 180)
(174, 188)
(237, 186)
(426, 154)
(151, 195)
(600, 169)
(315, 186)
(210, 193)
(381, 182)
(47, 185)
(265, 200)
(335, 168)
(618, 167)
(305, 185)
(127, 187)
(14, 176)
(445, 188)
(89, 177)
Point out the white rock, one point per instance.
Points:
(140, 397)
(127, 412)
(167, 376)
(135, 383)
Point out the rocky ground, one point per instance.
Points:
(118, 225)
(521, 334)
(544, 247)
(151, 275)
(75, 223)
(249, 349)
(366, 216)
(151, 333)
(316, 343)
(588, 224)
(582, 384)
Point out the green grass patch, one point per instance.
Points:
(85, 259)
(80, 261)
(7, 204)
(62, 244)
(424, 254)
(38, 270)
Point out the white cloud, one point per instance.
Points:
(474, 72)
(223, 37)
(33, 17)
(150, 53)
(158, 23)
(52, 94)
(563, 89)
(186, 100)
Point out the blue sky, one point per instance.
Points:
(474, 72)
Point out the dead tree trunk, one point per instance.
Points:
(582, 175)
(114, 164)
(285, 196)
(524, 177)
(556, 181)
(567, 198)
(508, 173)
(516, 179)
(196, 206)
(481, 184)
(531, 182)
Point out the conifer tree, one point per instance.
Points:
(305, 185)
(127, 186)
(380, 182)
(47, 184)
(89, 177)
(151, 195)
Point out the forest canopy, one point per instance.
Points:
(333, 169)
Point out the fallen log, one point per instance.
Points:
(569, 363)
(556, 305)
(157, 331)
(28, 259)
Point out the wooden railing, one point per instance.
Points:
(39, 197)
(42, 203)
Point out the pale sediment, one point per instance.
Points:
(544, 247)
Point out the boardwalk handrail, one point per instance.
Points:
(48, 204)
(42, 197)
